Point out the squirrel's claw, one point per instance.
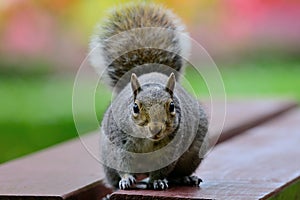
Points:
(127, 182)
(186, 180)
(160, 184)
(191, 180)
(107, 197)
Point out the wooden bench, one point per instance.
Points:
(260, 163)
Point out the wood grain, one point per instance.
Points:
(62, 172)
(242, 115)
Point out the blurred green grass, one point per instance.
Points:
(36, 111)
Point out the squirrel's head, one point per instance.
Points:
(154, 108)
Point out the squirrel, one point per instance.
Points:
(141, 49)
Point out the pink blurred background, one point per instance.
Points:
(58, 31)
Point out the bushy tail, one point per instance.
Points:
(139, 38)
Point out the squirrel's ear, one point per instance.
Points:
(171, 84)
(135, 85)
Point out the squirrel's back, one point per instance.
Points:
(139, 38)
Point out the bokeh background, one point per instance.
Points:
(255, 44)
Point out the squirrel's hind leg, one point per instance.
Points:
(185, 180)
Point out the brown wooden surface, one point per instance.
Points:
(68, 171)
(242, 115)
(255, 165)
(61, 172)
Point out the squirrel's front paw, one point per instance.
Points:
(191, 180)
(185, 180)
(159, 184)
(127, 182)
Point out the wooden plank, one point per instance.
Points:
(68, 171)
(256, 165)
(61, 172)
(242, 115)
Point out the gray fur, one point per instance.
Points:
(117, 123)
(154, 56)
(135, 35)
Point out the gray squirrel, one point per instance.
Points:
(141, 49)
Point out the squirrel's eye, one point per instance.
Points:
(172, 107)
(136, 109)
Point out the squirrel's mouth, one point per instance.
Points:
(156, 137)
(156, 133)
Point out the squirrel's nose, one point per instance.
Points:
(155, 128)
